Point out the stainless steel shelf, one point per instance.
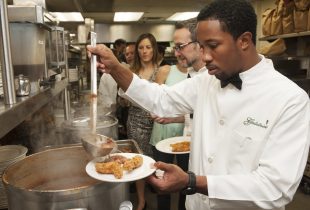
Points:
(12, 115)
(268, 38)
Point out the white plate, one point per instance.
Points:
(138, 173)
(10, 153)
(164, 145)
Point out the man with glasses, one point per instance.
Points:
(187, 49)
(189, 55)
(251, 130)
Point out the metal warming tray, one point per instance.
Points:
(128, 145)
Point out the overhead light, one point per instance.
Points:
(127, 16)
(68, 16)
(179, 16)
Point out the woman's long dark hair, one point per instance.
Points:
(136, 66)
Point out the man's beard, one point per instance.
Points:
(187, 62)
(190, 63)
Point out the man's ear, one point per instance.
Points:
(245, 40)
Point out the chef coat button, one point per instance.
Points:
(210, 159)
(221, 122)
(248, 138)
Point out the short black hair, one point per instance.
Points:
(161, 49)
(119, 42)
(235, 16)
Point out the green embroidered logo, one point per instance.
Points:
(252, 121)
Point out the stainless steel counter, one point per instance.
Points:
(12, 115)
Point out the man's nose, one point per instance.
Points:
(176, 53)
(207, 57)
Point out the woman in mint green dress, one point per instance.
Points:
(163, 131)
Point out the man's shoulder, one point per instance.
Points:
(286, 87)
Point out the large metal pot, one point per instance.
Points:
(56, 179)
(75, 128)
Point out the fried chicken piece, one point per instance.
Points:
(118, 171)
(116, 158)
(182, 146)
(133, 163)
(113, 167)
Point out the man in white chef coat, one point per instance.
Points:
(250, 137)
(107, 90)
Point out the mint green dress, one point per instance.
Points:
(163, 131)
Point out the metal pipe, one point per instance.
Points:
(67, 93)
(6, 60)
(67, 104)
(93, 82)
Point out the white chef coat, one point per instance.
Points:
(107, 91)
(188, 122)
(252, 145)
(193, 73)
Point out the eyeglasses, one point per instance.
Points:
(182, 46)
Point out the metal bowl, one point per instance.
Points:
(98, 145)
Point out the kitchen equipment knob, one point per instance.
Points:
(126, 205)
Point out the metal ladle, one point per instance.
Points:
(96, 144)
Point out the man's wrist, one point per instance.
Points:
(202, 185)
(191, 185)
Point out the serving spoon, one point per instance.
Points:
(95, 144)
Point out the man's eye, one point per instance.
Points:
(212, 45)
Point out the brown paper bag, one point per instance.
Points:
(288, 24)
(276, 24)
(266, 21)
(300, 20)
(276, 47)
(302, 4)
(288, 18)
(308, 20)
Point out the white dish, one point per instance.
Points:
(164, 145)
(10, 153)
(139, 173)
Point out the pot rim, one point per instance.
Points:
(5, 178)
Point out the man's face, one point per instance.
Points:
(121, 48)
(188, 54)
(129, 53)
(221, 52)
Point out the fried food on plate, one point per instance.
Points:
(113, 167)
(182, 146)
(133, 163)
(116, 158)
(116, 164)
